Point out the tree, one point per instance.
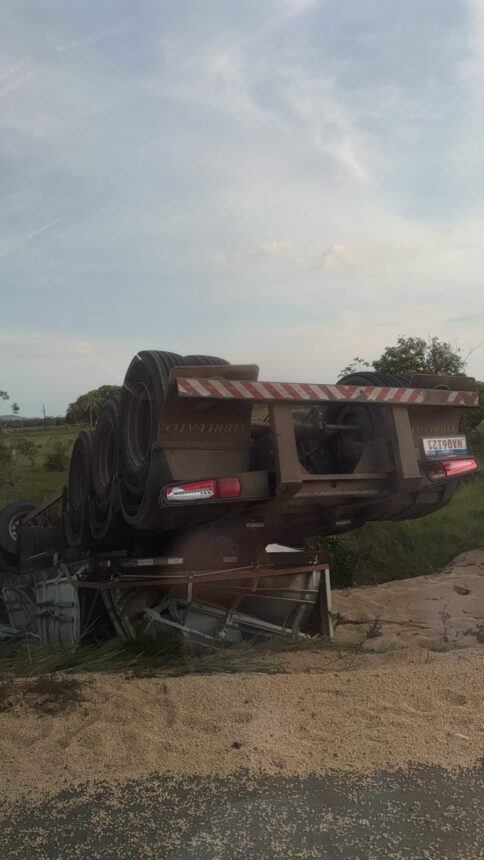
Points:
(417, 355)
(15, 408)
(411, 355)
(88, 406)
(4, 395)
(91, 403)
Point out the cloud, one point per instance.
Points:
(294, 255)
(298, 7)
(277, 177)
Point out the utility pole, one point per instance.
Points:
(43, 410)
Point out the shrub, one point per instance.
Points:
(476, 441)
(6, 460)
(57, 457)
(26, 448)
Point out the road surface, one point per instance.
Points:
(426, 813)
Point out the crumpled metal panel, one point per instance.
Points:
(58, 613)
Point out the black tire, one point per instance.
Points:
(142, 398)
(79, 489)
(143, 395)
(105, 520)
(393, 380)
(10, 518)
(371, 421)
(8, 562)
(104, 508)
(105, 450)
(208, 360)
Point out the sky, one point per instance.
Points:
(291, 183)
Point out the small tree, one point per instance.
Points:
(27, 449)
(15, 408)
(3, 395)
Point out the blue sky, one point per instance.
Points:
(286, 182)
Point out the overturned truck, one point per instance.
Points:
(177, 504)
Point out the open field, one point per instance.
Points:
(31, 480)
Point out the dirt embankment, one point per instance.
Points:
(354, 705)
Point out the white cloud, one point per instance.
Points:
(261, 179)
(298, 7)
(327, 119)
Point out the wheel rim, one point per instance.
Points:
(13, 527)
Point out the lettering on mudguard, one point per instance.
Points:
(215, 427)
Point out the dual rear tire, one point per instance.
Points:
(114, 475)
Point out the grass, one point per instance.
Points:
(167, 656)
(135, 659)
(382, 551)
(31, 481)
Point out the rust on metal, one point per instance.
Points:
(198, 577)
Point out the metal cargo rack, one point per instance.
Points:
(52, 597)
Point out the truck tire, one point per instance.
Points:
(79, 489)
(143, 395)
(10, 518)
(208, 360)
(8, 562)
(370, 420)
(105, 450)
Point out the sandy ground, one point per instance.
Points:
(345, 708)
(439, 611)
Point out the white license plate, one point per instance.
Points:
(445, 446)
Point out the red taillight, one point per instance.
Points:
(228, 488)
(202, 491)
(450, 468)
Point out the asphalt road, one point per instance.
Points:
(425, 813)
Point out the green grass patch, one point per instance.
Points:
(30, 479)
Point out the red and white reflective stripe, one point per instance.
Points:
(241, 389)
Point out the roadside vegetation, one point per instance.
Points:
(36, 462)
(381, 551)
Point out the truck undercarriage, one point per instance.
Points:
(200, 461)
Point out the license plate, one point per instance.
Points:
(445, 446)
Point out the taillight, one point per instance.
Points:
(202, 491)
(228, 488)
(194, 492)
(450, 468)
